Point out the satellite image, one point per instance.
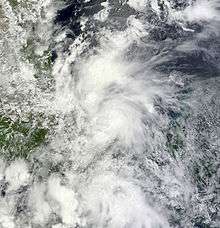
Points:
(109, 113)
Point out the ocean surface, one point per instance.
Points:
(109, 114)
